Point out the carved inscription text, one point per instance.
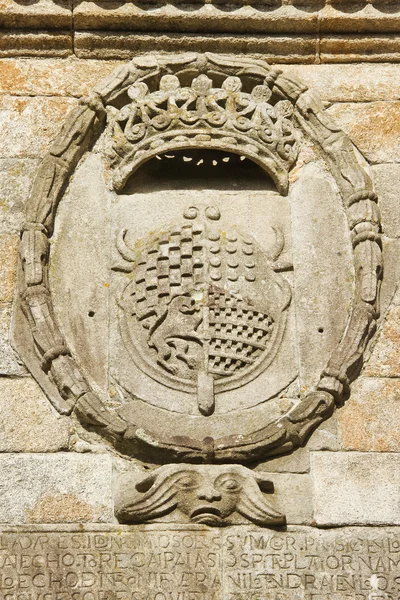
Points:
(195, 563)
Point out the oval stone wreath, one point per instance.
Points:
(41, 344)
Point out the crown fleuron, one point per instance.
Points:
(202, 116)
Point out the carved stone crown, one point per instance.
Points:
(225, 118)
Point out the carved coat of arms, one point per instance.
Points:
(197, 325)
(205, 308)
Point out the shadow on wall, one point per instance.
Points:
(307, 6)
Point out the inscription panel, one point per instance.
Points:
(307, 564)
(136, 564)
(198, 563)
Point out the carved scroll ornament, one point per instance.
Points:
(224, 118)
(242, 106)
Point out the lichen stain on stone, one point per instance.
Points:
(374, 128)
(10, 74)
(369, 420)
(60, 508)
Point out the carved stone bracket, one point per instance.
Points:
(214, 495)
(37, 336)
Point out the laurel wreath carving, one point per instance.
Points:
(58, 373)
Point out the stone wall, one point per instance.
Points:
(348, 474)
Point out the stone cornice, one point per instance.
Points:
(280, 30)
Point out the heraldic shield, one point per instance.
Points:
(206, 308)
(200, 264)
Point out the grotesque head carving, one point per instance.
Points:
(204, 494)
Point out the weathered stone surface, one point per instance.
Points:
(181, 349)
(30, 124)
(155, 563)
(356, 488)
(360, 486)
(323, 438)
(361, 82)
(340, 564)
(342, 16)
(177, 16)
(9, 362)
(75, 77)
(41, 14)
(27, 418)
(370, 419)
(52, 76)
(352, 47)
(214, 495)
(326, 436)
(385, 357)
(365, 30)
(391, 280)
(374, 128)
(16, 177)
(144, 562)
(55, 488)
(386, 186)
(121, 45)
(297, 462)
(320, 319)
(35, 43)
(293, 496)
(8, 261)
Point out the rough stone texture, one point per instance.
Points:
(16, 178)
(30, 124)
(52, 77)
(41, 14)
(9, 362)
(323, 438)
(8, 261)
(362, 17)
(101, 15)
(385, 179)
(121, 45)
(354, 48)
(370, 419)
(214, 495)
(28, 423)
(374, 128)
(365, 30)
(55, 488)
(195, 562)
(293, 496)
(356, 488)
(358, 485)
(73, 77)
(385, 357)
(321, 317)
(391, 249)
(297, 462)
(35, 43)
(362, 82)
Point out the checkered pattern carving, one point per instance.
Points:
(239, 334)
(169, 266)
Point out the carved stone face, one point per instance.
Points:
(206, 498)
(214, 495)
